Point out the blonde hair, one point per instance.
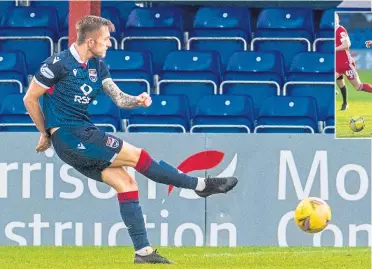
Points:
(90, 24)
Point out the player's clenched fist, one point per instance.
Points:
(44, 143)
(368, 43)
(144, 99)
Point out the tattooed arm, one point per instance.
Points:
(121, 99)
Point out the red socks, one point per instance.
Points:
(366, 87)
(125, 197)
(144, 162)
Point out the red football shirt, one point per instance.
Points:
(342, 57)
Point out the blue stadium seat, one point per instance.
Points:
(4, 5)
(159, 30)
(14, 116)
(323, 95)
(193, 74)
(42, 20)
(286, 22)
(225, 30)
(105, 114)
(131, 71)
(288, 48)
(324, 41)
(167, 114)
(329, 123)
(113, 15)
(62, 8)
(283, 114)
(289, 31)
(312, 74)
(223, 114)
(62, 43)
(12, 73)
(258, 75)
(136, 67)
(312, 66)
(125, 7)
(13, 66)
(327, 24)
(19, 28)
(63, 36)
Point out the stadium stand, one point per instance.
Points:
(283, 114)
(14, 116)
(222, 113)
(324, 36)
(12, 73)
(254, 74)
(193, 74)
(105, 114)
(205, 67)
(225, 30)
(311, 74)
(159, 30)
(30, 29)
(131, 70)
(168, 114)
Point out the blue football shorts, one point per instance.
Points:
(86, 148)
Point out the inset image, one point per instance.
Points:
(353, 74)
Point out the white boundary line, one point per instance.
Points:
(248, 253)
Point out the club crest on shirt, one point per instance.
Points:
(92, 74)
(112, 142)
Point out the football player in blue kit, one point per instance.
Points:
(68, 82)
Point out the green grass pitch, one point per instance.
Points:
(187, 258)
(360, 104)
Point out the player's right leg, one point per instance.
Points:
(164, 173)
(82, 148)
(341, 84)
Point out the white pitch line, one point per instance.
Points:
(277, 252)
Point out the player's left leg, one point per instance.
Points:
(341, 84)
(84, 149)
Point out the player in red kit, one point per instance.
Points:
(345, 64)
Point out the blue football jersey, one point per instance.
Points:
(71, 85)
